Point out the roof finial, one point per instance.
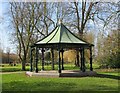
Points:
(60, 21)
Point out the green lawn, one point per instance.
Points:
(8, 68)
(21, 82)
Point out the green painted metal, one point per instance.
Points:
(61, 35)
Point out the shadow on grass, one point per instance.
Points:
(60, 91)
(97, 75)
(108, 76)
(76, 74)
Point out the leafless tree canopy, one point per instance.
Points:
(33, 21)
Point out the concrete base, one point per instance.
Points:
(43, 73)
(65, 73)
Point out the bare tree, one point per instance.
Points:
(1, 52)
(33, 21)
(25, 16)
(85, 8)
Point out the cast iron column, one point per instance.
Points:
(59, 63)
(52, 52)
(81, 55)
(36, 69)
(83, 61)
(78, 61)
(91, 69)
(62, 51)
(31, 59)
(42, 58)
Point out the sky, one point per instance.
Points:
(5, 42)
(3, 35)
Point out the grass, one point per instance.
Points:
(19, 82)
(114, 72)
(8, 68)
(22, 83)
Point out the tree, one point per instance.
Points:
(8, 54)
(81, 20)
(25, 16)
(1, 52)
(108, 13)
(109, 16)
(108, 50)
(90, 38)
(93, 11)
(33, 21)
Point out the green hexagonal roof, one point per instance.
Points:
(61, 35)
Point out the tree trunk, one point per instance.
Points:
(23, 63)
